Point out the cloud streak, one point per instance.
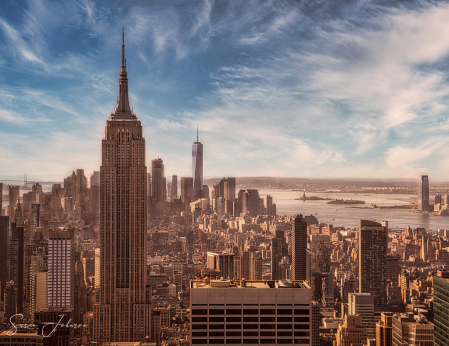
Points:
(319, 89)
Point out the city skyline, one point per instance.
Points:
(352, 90)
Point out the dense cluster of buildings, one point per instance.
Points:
(129, 260)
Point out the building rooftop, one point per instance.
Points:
(206, 283)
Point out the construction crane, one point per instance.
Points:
(203, 248)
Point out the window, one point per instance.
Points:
(234, 319)
(216, 319)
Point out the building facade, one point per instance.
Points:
(250, 312)
(123, 311)
(423, 193)
(197, 167)
(299, 249)
(373, 249)
(441, 307)
(61, 264)
(157, 181)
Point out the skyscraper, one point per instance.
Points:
(14, 192)
(124, 309)
(256, 312)
(1, 199)
(3, 253)
(187, 190)
(61, 261)
(299, 249)
(174, 186)
(197, 167)
(423, 193)
(441, 307)
(251, 203)
(318, 268)
(279, 249)
(373, 248)
(157, 180)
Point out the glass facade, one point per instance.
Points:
(441, 310)
(197, 168)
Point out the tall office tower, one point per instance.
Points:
(271, 207)
(409, 330)
(393, 269)
(4, 220)
(299, 249)
(16, 265)
(157, 180)
(384, 329)
(149, 194)
(38, 263)
(186, 190)
(14, 193)
(279, 249)
(206, 194)
(245, 262)
(373, 249)
(80, 190)
(61, 265)
(94, 194)
(231, 188)
(197, 167)
(13, 260)
(95, 178)
(250, 202)
(174, 186)
(34, 217)
(441, 307)
(347, 286)
(255, 266)
(423, 193)
(169, 197)
(363, 304)
(8, 300)
(250, 312)
(351, 332)
(124, 309)
(79, 293)
(318, 269)
(424, 253)
(224, 262)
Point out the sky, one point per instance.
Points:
(314, 89)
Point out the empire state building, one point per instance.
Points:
(123, 309)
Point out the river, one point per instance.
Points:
(347, 215)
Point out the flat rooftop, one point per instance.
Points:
(206, 283)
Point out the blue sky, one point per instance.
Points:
(277, 88)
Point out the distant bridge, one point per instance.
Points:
(26, 182)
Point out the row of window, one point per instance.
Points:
(251, 326)
(251, 319)
(250, 341)
(251, 333)
(250, 311)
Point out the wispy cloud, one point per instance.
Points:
(309, 89)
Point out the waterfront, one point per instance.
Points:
(346, 215)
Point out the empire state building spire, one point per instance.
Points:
(123, 111)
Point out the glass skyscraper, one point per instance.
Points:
(197, 167)
(441, 308)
